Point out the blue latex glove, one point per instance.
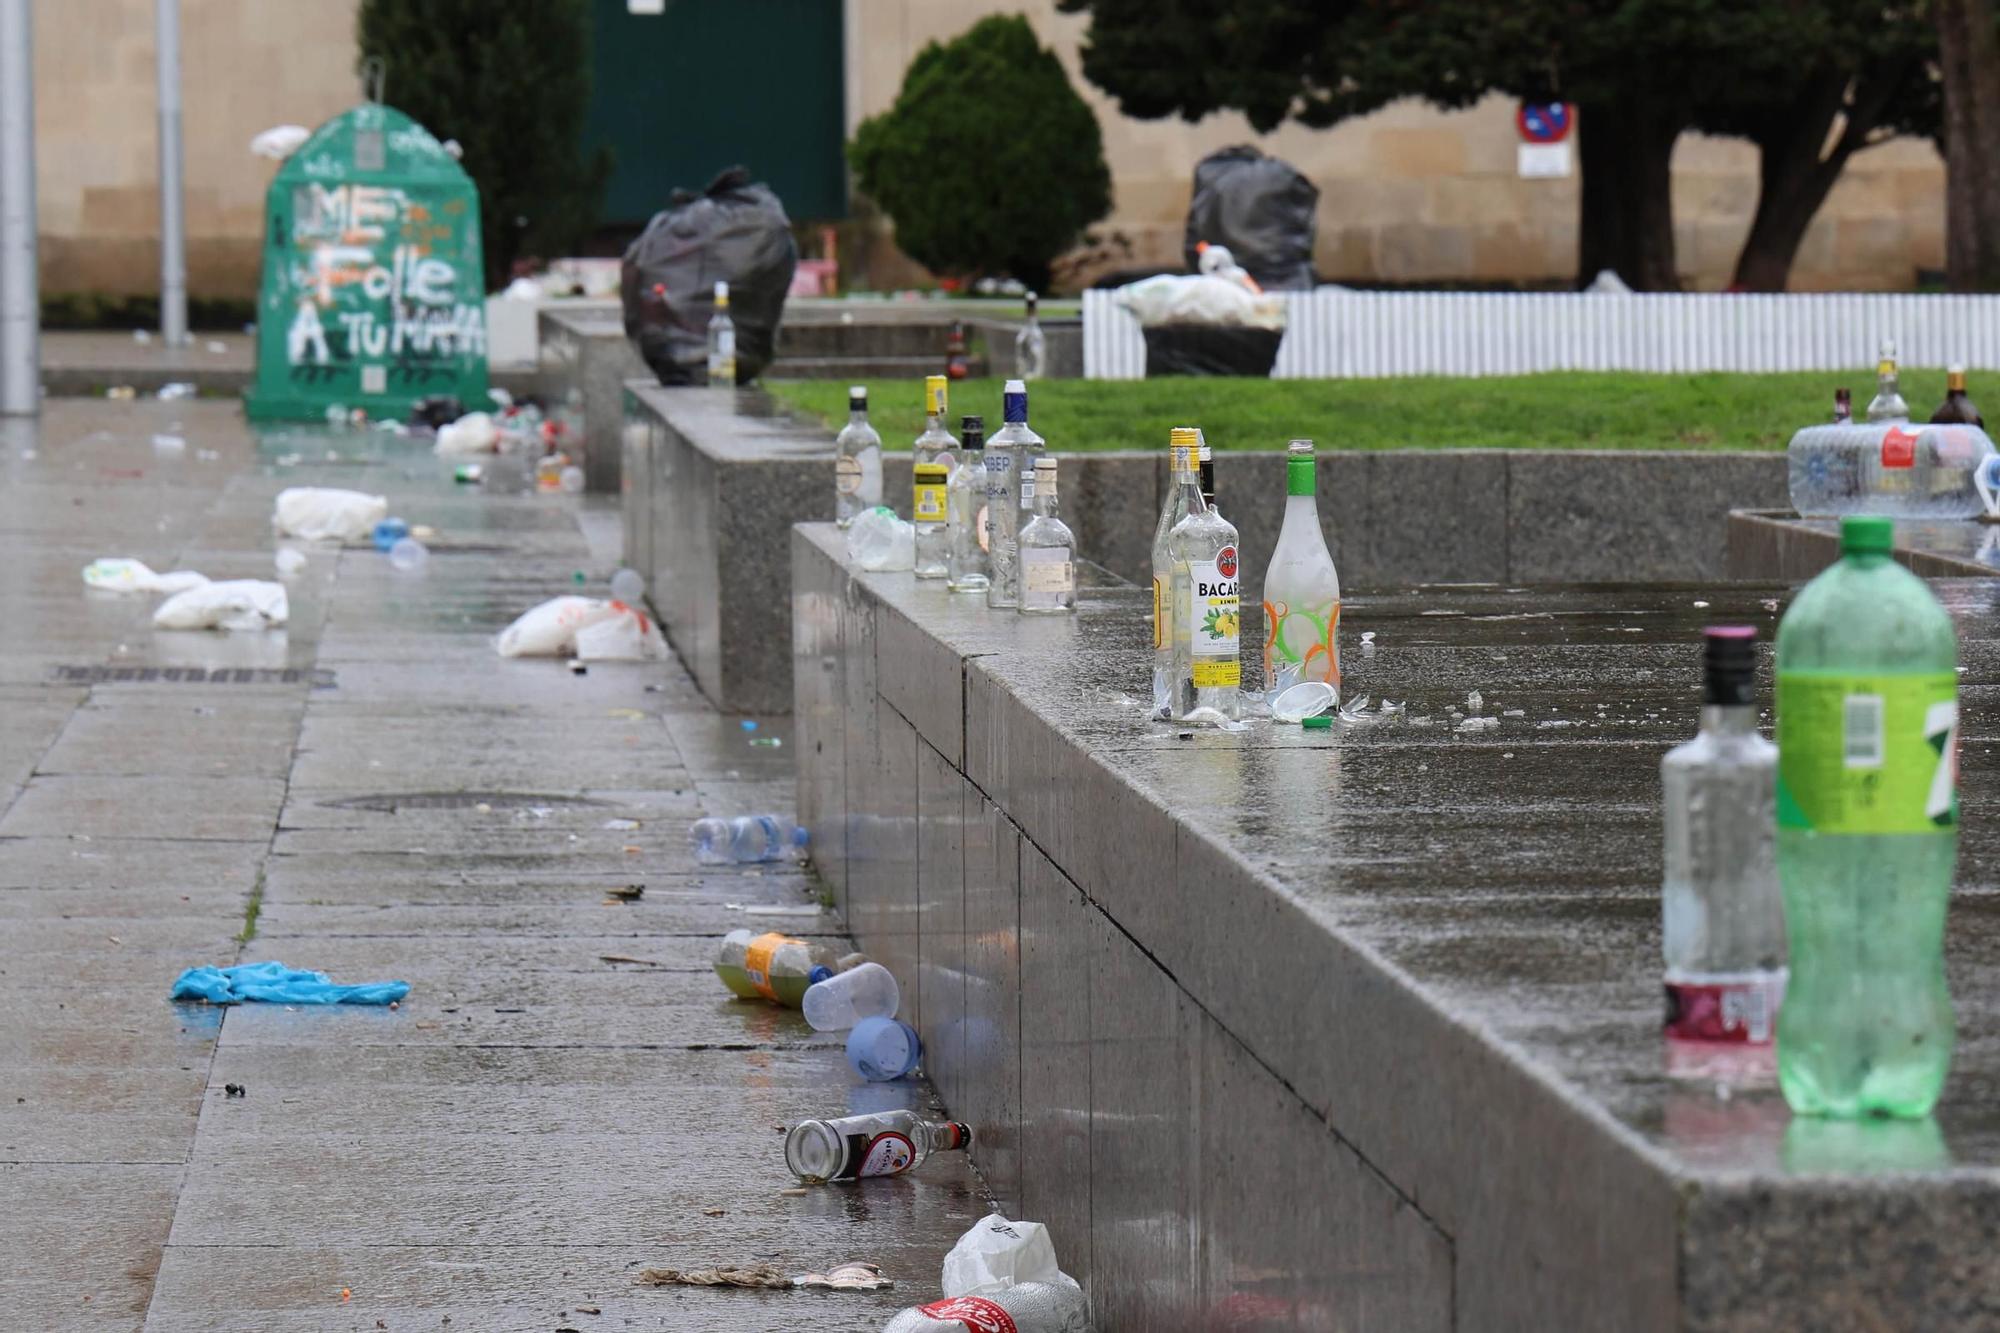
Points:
(279, 985)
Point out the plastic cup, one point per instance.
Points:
(408, 554)
(881, 1049)
(1308, 698)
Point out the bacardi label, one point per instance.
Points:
(1214, 612)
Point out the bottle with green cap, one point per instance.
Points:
(1867, 698)
(1301, 589)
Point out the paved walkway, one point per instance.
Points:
(537, 1122)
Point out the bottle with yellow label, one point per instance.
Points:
(931, 460)
(776, 967)
(1207, 612)
(1183, 490)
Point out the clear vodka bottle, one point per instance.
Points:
(857, 464)
(1724, 923)
(1208, 658)
(931, 461)
(721, 341)
(1888, 404)
(1010, 488)
(1031, 347)
(854, 1147)
(1182, 490)
(1048, 551)
(1301, 588)
(965, 505)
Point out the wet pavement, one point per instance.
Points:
(536, 1123)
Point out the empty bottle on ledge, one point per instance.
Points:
(1887, 404)
(1183, 489)
(1048, 552)
(930, 473)
(857, 462)
(1010, 488)
(1301, 587)
(1867, 834)
(1843, 407)
(1208, 659)
(858, 1146)
(721, 341)
(965, 505)
(1956, 409)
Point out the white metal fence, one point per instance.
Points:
(1337, 333)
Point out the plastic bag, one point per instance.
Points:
(1001, 1275)
(1262, 208)
(735, 231)
(277, 984)
(123, 574)
(878, 540)
(999, 1253)
(629, 636)
(319, 513)
(235, 604)
(590, 627)
(1203, 299)
(473, 433)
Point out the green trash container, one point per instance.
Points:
(374, 294)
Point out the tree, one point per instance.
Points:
(989, 162)
(510, 83)
(1969, 51)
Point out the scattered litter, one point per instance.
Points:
(588, 1309)
(1318, 722)
(589, 627)
(881, 1049)
(235, 604)
(170, 444)
(1474, 702)
(1515, 712)
(123, 574)
(628, 714)
(1702, 605)
(1478, 724)
(473, 433)
(625, 893)
(713, 1212)
(762, 909)
(235, 1090)
(843, 1277)
(142, 336)
(767, 742)
(408, 555)
(578, 669)
(628, 958)
(321, 513)
(289, 560)
(879, 540)
(278, 984)
(121, 393)
(748, 724)
(746, 839)
(217, 347)
(628, 585)
(176, 391)
(1002, 1274)
(620, 825)
(1770, 603)
(207, 455)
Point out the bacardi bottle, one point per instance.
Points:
(857, 463)
(930, 470)
(1048, 551)
(965, 505)
(721, 341)
(1208, 660)
(1183, 489)
(854, 1147)
(1301, 588)
(1010, 488)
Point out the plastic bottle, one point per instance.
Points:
(1867, 704)
(881, 1049)
(774, 966)
(745, 839)
(868, 991)
(1887, 467)
(390, 531)
(853, 1147)
(1724, 936)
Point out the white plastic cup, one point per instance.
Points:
(844, 999)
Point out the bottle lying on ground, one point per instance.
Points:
(744, 840)
(776, 967)
(856, 1146)
(1724, 935)
(1867, 834)
(1892, 468)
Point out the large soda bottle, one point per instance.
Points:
(1867, 833)
(885, 1144)
(1724, 936)
(775, 967)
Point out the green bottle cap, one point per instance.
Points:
(1866, 534)
(1318, 722)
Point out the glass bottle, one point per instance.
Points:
(1206, 470)
(1301, 587)
(965, 506)
(1048, 551)
(1031, 347)
(1208, 660)
(854, 1147)
(1723, 916)
(857, 463)
(1010, 486)
(1957, 409)
(930, 472)
(1843, 407)
(956, 366)
(1888, 404)
(721, 341)
(1183, 489)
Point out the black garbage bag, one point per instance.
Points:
(735, 231)
(1210, 349)
(1262, 208)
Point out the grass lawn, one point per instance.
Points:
(1565, 410)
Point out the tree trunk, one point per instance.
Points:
(1626, 222)
(1969, 51)
(1794, 177)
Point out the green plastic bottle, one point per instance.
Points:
(1867, 833)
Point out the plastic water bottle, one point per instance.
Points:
(853, 1147)
(1887, 467)
(868, 991)
(1867, 833)
(881, 1049)
(628, 586)
(745, 840)
(776, 967)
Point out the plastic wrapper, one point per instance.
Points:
(320, 513)
(124, 574)
(1262, 208)
(735, 231)
(1902, 469)
(235, 604)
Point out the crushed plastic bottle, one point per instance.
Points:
(745, 840)
(857, 1146)
(867, 991)
(880, 1049)
(878, 540)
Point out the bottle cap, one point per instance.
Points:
(1319, 722)
(722, 293)
(1300, 447)
(857, 398)
(972, 432)
(1867, 534)
(934, 392)
(1014, 402)
(1730, 662)
(1015, 386)
(1184, 436)
(818, 974)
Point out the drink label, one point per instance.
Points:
(1742, 1011)
(1899, 448)
(929, 503)
(996, 475)
(1214, 608)
(757, 961)
(1027, 489)
(1046, 575)
(887, 1154)
(975, 1314)
(1159, 613)
(1868, 753)
(1299, 642)
(847, 474)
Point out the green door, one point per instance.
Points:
(680, 95)
(373, 294)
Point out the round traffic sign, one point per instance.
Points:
(1544, 122)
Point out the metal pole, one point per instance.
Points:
(173, 225)
(20, 294)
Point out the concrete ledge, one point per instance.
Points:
(1778, 545)
(1359, 1030)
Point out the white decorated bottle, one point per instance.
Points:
(858, 1146)
(1301, 587)
(931, 459)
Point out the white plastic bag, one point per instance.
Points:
(1001, 1274)
(473, 433)
(321, 513)
(235, 604)
(123, 574)
(879, 540)
(1169, 299)
(592, 628)
(629, 636)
